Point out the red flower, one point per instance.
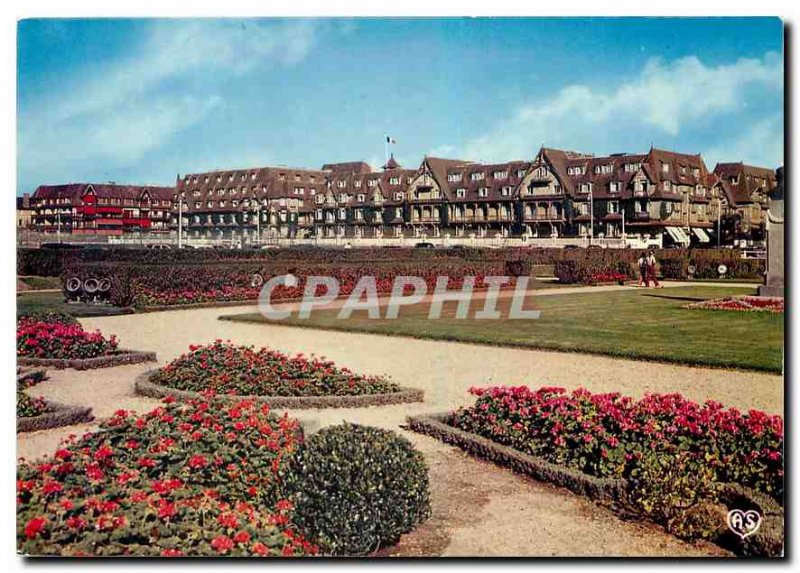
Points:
(197, 461)
(260, 549)
(222, 544)
(241, 537)
(34, 527)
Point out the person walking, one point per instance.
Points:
(652, 273)
(643, 282)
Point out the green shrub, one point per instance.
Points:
(675, 268)
(672, 488)
(356, 488)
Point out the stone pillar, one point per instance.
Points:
(775, 223)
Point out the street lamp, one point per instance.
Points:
(719, 222)
(591, 216)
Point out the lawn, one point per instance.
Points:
(642, 324)
(32, 301)
(40, 283)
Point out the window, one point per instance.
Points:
(361, 197)
(394, 181)
(575, 170)
(342, 214)
(230, 177)
(483, 192)
(372, 182)
(454, 177)
(359, 214)
(667, 186)
(696, 171)
(341, 184)
(252, 176)
(234, 203)
(343, 198)
(197, 204)
(357, 183)
(631, 167)
(613, 206)
(667, 208)
(320, 199)
(299, 191)
(461, 193)
(683, 170)
(398, 196)
(477, 176)
(505, 191)
(615, 186)
(500, 174)
(222, 203)
(665, 168)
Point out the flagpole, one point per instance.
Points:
(386, 150)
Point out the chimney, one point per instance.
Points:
(26, 200)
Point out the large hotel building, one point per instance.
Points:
(659, 194)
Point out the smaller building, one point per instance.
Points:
(742, 191)
(24, 211)
(101, 209)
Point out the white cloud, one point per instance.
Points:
(117, 112)
(761, 144)
(662, 100)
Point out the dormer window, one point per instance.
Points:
(357, 183)
(696, 171)
(343, 198)
(206, 179)
(631, 167)
(478, 176)
(500, 174)
(483, 192)
(219, 178)
(398, 196)
(520, 173)
(665, 168)
(341, 184)
(454, 177)
(615, 186)
(230, 177)
(667, 186)
(505, 191)
(575, 170)
(372, 182)
(361, 197)
(394, 181)
(461, 193)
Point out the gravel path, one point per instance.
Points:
(479, 509)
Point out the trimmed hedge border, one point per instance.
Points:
(119, 358)
(602, 489)
(61, 415)
(145, 387)
(768, 541)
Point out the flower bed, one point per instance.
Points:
(195, 479)
(224, 369)
(29, 406)
(742, 304)
(615, 492)
(41, 339)
(605, 435)
(61, 344)
(608, 277)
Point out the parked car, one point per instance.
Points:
(424, 246)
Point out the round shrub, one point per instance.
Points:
(356, 488)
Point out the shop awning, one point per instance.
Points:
(678, 235)
(701, 234)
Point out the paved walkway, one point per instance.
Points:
(479, 509)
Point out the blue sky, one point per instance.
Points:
(140, 101)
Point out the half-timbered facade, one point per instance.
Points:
(101, 209)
